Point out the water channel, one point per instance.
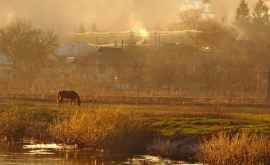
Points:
(55, 154)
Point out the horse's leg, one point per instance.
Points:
(59, 100)
(71, 101)
(78, 101)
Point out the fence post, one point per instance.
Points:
(268, 86)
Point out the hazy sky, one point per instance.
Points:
(67, 15)
(108, 14)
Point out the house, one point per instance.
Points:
(110, 56)
(75, 49)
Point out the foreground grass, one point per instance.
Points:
(18, 122)
(125, 127)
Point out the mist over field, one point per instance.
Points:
(94, 36)
(67, 15)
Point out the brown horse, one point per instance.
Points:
(70, 95)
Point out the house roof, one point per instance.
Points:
(75, 49)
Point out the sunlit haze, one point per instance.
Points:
(67, 15)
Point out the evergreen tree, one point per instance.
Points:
(243, 13)
(261, 13)
(82, 28)
(94, 27)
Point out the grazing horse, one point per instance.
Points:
(71, 95)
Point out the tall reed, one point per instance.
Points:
(235, 149)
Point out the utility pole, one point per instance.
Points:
(155, 40)
(159, 40)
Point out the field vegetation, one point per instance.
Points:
(160, 130)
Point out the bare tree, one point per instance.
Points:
(27, 48)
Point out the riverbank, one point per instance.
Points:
(169, 131)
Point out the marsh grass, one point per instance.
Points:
(18, 122)
(235, 149)
(103, 128)
(166, 148)
(124, 127)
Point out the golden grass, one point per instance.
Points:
(126, 127)
(17, 123)
(102, 128)
(235, 149)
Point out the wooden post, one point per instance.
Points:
(268, 86)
